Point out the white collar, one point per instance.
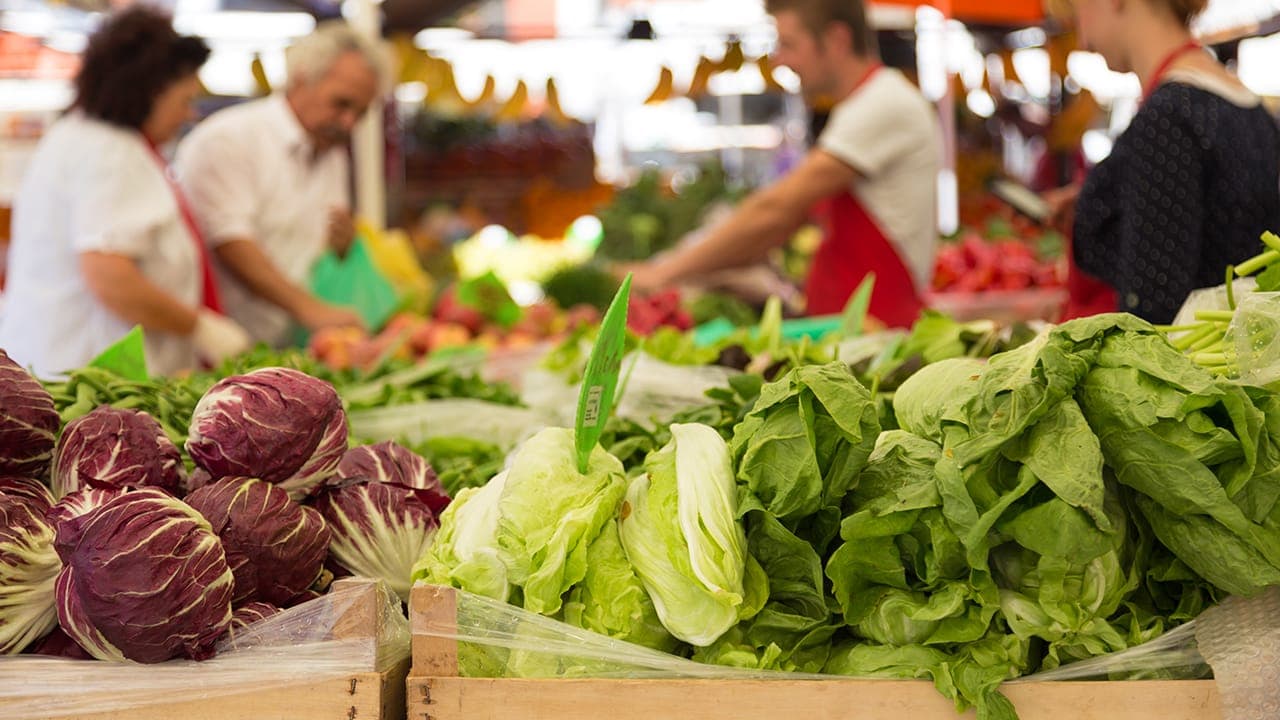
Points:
(1209, 82)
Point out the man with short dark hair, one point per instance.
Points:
(873, 175)
(269, 182)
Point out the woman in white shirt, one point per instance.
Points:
(102, 240)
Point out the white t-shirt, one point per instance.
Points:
(889, 133)
(92, 186)
(250, 173)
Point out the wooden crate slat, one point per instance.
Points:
(434, 692)
(451, 698)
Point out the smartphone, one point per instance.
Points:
(1021, 199)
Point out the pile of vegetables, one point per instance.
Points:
(272, 505)
(452, 325)
(973, 264)
(647, 218)
(1077, 495)
(1240, 335)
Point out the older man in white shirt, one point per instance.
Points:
(269, 182)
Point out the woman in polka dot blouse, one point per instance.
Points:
(1192, 182)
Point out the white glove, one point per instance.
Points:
(218, 337)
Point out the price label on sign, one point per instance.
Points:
(595, 401)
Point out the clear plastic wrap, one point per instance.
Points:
(655, 390)
(1212, 299)
(358, 627)
(501, 425)
(1252, 336)
(1239, 639)
(648, 389)
(497, 639)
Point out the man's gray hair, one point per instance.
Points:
(310, 57)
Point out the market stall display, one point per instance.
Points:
(977, 471)
(982, 514)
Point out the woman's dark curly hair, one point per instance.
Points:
(134, 57)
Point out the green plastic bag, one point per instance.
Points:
(355, 282)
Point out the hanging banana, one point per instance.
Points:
(771, 83)
(442, 94)
(733, 57)
(262, 85)
(665, 88)
(554, 113)
(513, 109)
(483, 102)
(701, 78)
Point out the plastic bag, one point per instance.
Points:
(1239, 639)
(649, 390)
(355, 282)
(1253, 335)
(496, 639)
(502, 425)
(655, 390)
(358, 627)
(1212, 298)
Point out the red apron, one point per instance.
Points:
(853, 245)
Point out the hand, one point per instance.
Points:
(645, 276)
(342, 231)
(1062, 207)
(318, 315)
(218, 337)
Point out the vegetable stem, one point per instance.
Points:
(1215, 315)
(1254, 264)
(1210, 359)
(1186, 341)
(1210, 342)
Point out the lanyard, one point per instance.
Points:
(209, 294)
(871, 72)
(1162, 69)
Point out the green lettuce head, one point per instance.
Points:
(549, 514)
(680, 530)
(612, 601)
(465, 553)
(805, 441)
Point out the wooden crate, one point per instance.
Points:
(435, 692)
(358, 696)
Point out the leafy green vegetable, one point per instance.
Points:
(804, 442)
(547, 558)
(465, 553)
(712, 306)
(461, 462)
(581, 284)
(679, 528)
(611, 599)
(645, 219)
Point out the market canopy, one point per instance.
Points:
(999, 12)
(1223, 19)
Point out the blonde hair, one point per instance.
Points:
(1184, 10)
